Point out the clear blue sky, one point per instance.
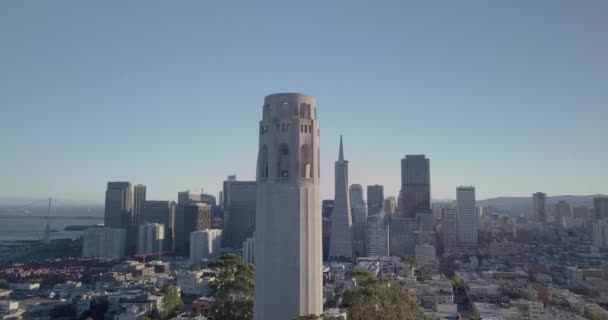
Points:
(508, 96)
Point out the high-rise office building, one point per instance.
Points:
(181, 235)
(205, 245)
(151, 238)
(467, 216)
(378, 235)
(326, 210)
(415, 184)
(424, 226)
(355, 195)
(390, 206)
(600, 208)
(341, 242)
(239, 212)
(539, 204)
(288, 266)
(561, 210)
(197, 217)
(375, 199)
(139, 198)
(104, 243)
(581, 212)
(119, 205)
(449, 229)
(402, 236)
(600, 234)
(161, 212)
(359, 227)
(359, 218)
(424, 220)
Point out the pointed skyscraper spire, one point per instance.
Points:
(341, 155)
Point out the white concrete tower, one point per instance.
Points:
(341, 241)
(288, 250)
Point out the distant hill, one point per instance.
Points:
(524, 204)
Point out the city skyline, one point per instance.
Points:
(494, 82)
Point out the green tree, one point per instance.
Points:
(375, 299)
(233, 288)
(172, 302)
(3, 284)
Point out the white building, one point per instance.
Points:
(378, 235)
(600, 234)
(572, 223)
(193, 283)
(426, 257)
(150, 238)
(205, 245)
(341, 239)
(467, 216)
(249, 250)
(104, 243)
(288, 247)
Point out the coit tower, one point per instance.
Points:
(288, 252)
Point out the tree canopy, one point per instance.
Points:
(233, 289)
(376, 299)
(172, 302)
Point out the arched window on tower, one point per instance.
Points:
(302, 110)
(264, 162)
(306, 169)
(283, 163)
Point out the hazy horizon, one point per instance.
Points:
(508, 97)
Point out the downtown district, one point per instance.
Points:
(456, 259)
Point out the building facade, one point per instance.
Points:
(375, 199)
(390, 206)
(415, 184)
(378, 235)
(326, 211)
(360, 229)
(402, 236)
(150, 238)
(139, 199)
(600, 208)
(181, 235)
(197, 217)
(161, 212)
(467, 216)
(205, 245)
(288, 250)
(449, 229)
(539, 204)
(118, 205)
(355, 194)
(249, 250)
(239, 212)
(561, 210)
(600, 234)
(104, 243)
